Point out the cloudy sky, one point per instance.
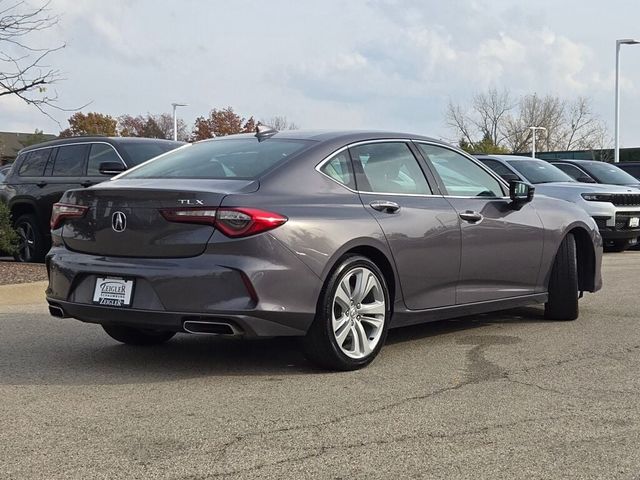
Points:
(391, 64)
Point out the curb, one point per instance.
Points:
(23, 293)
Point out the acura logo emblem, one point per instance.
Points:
(118, 221)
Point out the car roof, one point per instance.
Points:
(508, 157)
(574, 161)
(348, 136)
(96, 138)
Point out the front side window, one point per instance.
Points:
(461, 177)
(70, 161)
(34, 163)
(99, 153)
(389, 168)
(339, 168)
(244, 158)
(574, 172)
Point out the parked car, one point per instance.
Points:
(334, 236)
(591, 171)
(632, 168)
(615, 209)
(44, 171)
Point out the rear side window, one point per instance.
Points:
(244, 158)
(100, 152)
(340, 169)
(389, 167)
(70, 161)
(34, 163)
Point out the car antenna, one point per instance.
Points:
(264, 131)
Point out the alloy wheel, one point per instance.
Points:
(27, 243)
(358, 312)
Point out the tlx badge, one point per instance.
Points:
(191, 202)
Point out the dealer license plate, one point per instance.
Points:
(634, 222)
(113, 292)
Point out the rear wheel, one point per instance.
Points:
(137, 336)
(31, 241)
(352, 318)
(563, 284)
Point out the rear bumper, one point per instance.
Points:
(258, 286)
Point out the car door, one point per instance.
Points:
(421, 227)
(99, 153)
(501, 245)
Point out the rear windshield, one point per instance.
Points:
(539, 171)
(139, 152)
(607, 173)
(244, 158)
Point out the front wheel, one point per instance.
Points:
(352, 317)
(137, 336)
(562, 303)
(31, 241)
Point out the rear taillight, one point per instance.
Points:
(62, 211)
(233, 222)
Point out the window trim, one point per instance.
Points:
(80, 143)
(406, 141)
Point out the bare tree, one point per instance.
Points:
(23, 68)
(279, 123)
(495, 121)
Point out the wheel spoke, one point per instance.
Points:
(363, 339)
(374, 308)
(342, 296)
(356, 343)
(373, 321)
(342, 329)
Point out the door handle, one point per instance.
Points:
(471, 217)
(385, 206)
(41, 184)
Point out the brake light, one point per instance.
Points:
(62, 211)
(233, 222)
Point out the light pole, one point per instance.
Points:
(533, 145)
(616, 151)
(175, 119)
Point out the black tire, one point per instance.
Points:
(617, 246)
(563, 284)
(137, 336)
(32, 246)
(320, 344)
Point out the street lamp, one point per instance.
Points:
(624, 41)
(533, 145)
(175, 119)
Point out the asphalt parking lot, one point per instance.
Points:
(506, 395)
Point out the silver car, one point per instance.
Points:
(335, 237)
(615, 208)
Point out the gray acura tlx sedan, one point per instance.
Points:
(332, 236)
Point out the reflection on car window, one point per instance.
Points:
(607, 173)
(461, 176)
(339, 168)
(390, 168)
(34, 163)
(573, 172)
(70, 161)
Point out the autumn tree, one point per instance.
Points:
(91, 123)
(495, 120)
(24, 71)
(151, 126)
(220, 123)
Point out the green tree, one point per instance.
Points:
(486, 145)
(91, 123)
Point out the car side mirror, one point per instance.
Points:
(585, 179)
(111, 168)
(510, 177)
(521, 192)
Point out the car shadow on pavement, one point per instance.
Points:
(86, 356)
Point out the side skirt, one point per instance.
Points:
(403, 318)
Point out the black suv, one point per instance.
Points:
(632, 168)
(43, 172)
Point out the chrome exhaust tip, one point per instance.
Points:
(56, 311)
(203, 327)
